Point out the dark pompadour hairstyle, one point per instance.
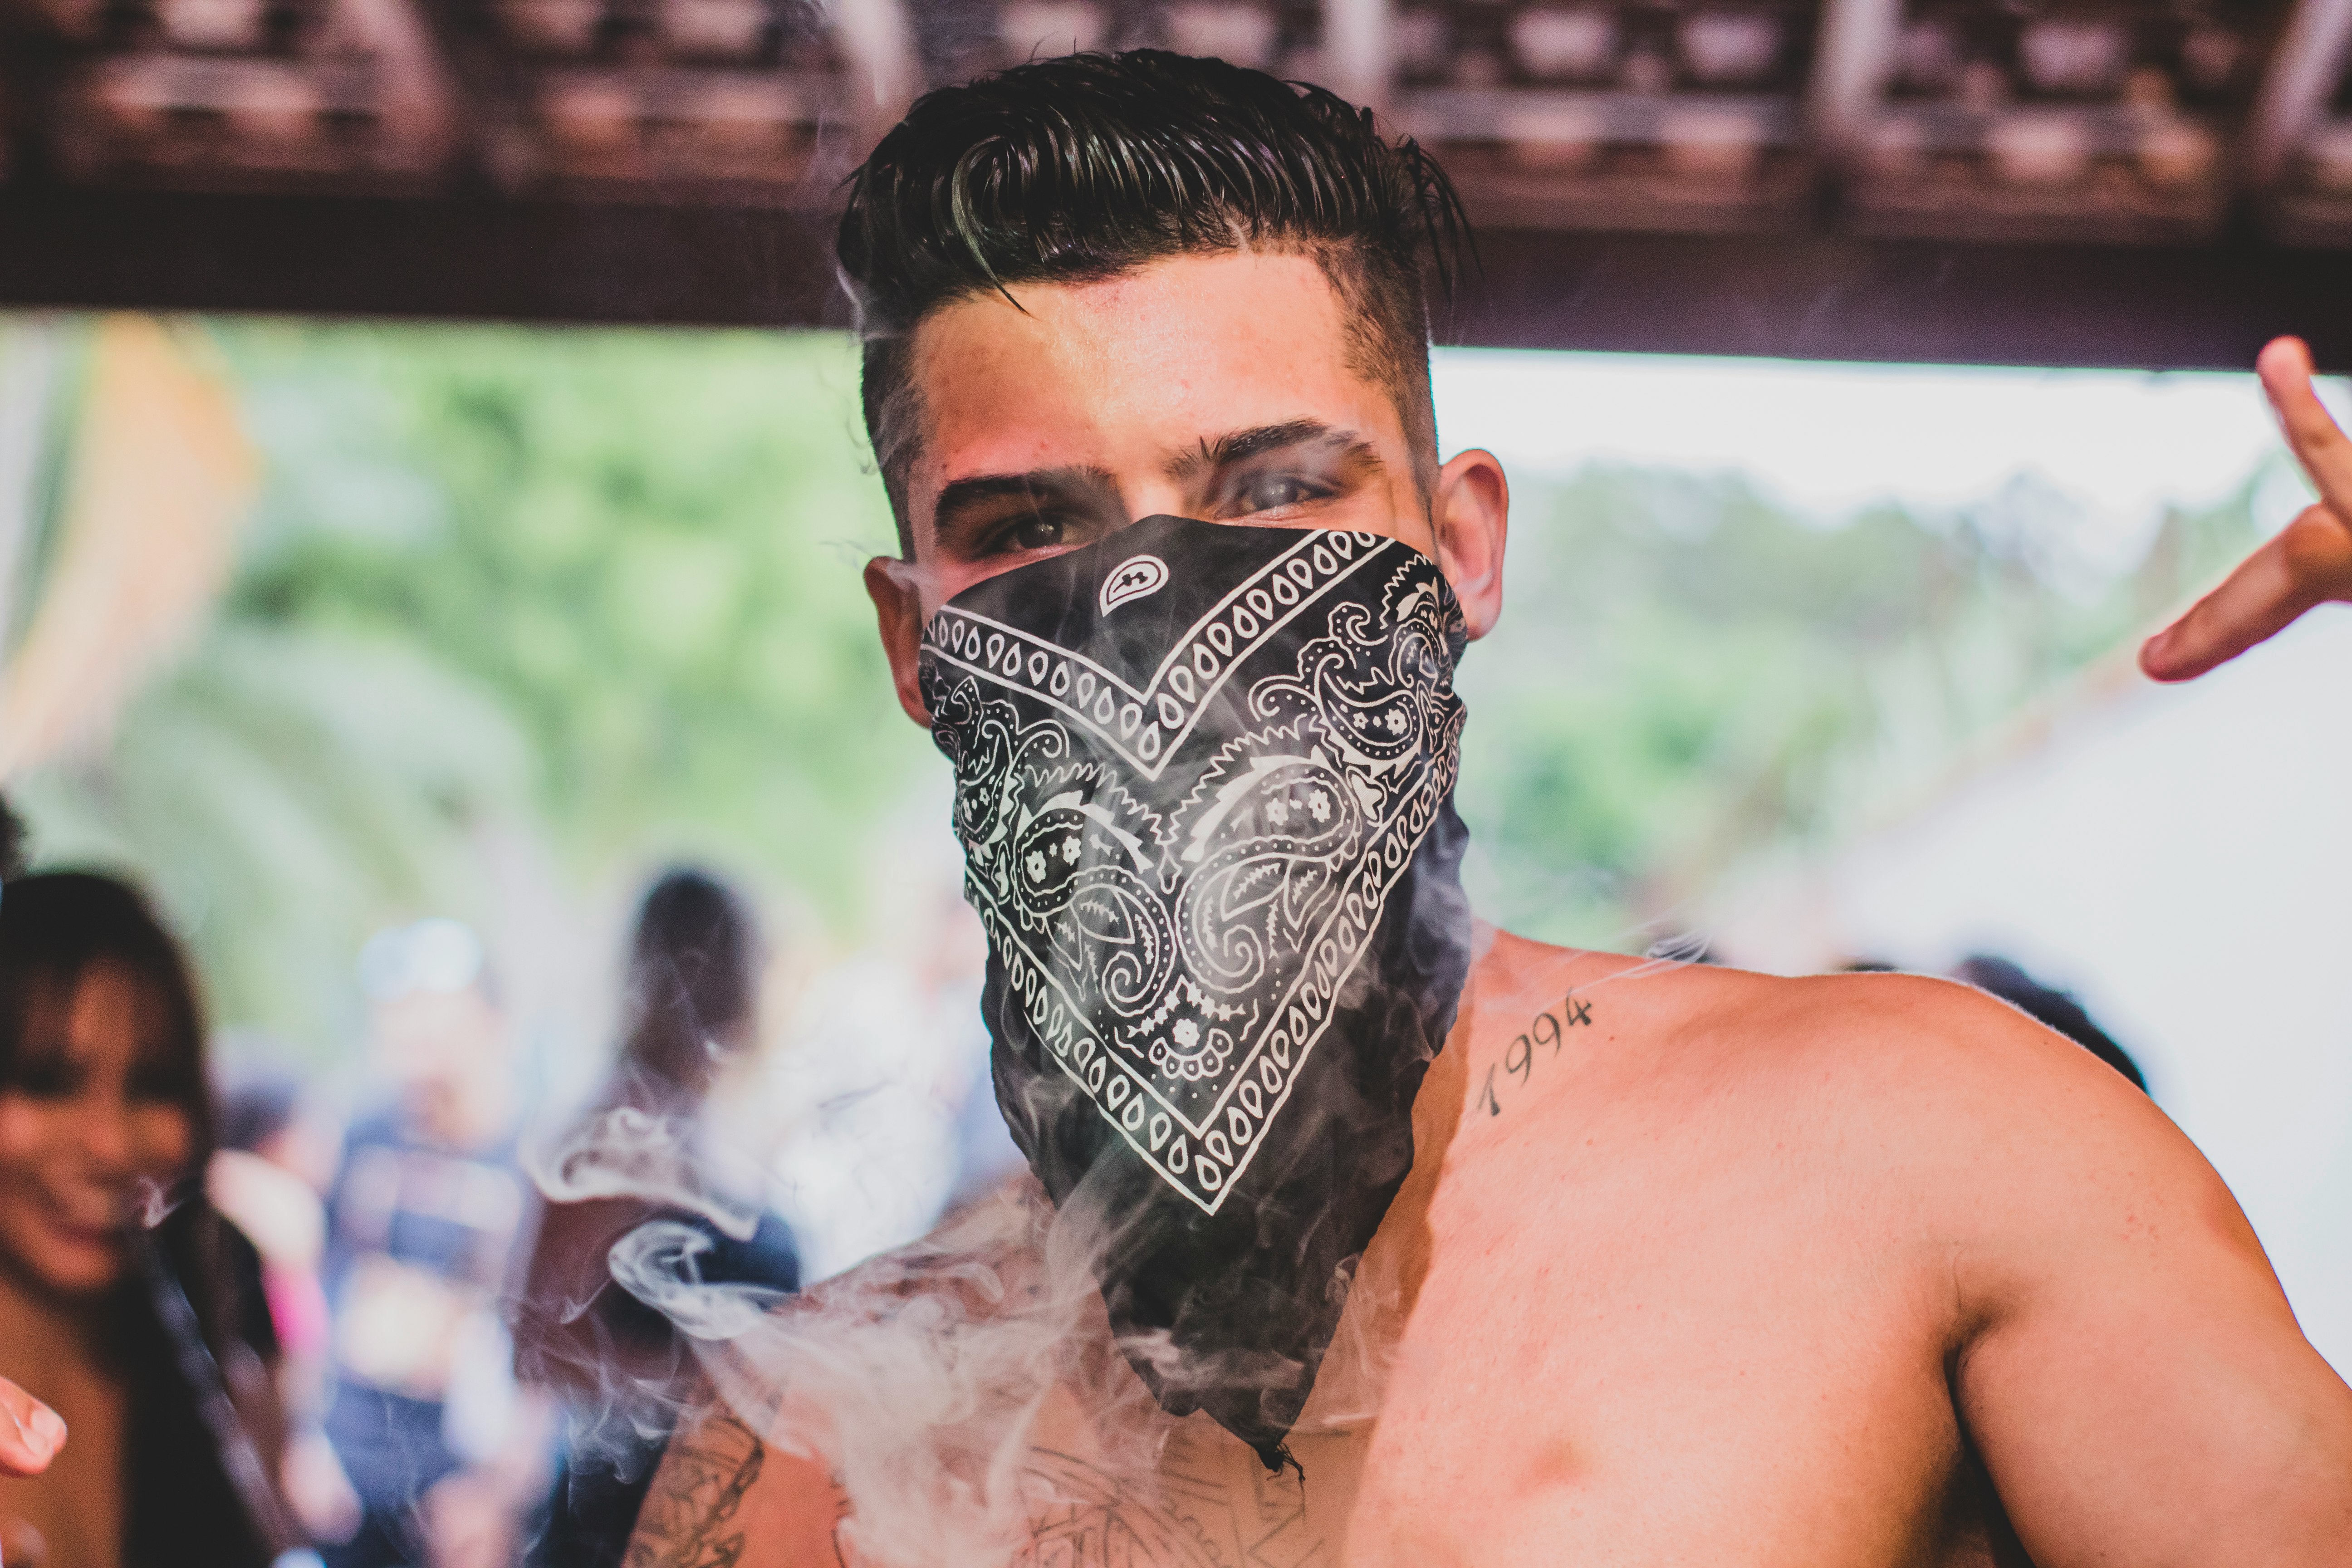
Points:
(1081, 168)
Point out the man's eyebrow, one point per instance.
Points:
(960, 496)
(1240, 445)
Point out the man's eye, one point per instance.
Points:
(1035, 533)
(1272, 490)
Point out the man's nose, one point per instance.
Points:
(1155, 496)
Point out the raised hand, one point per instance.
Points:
(30, 1432)
(2309, 563)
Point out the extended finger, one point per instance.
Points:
(2308, 563)
(30, 1432)
(2319, 442)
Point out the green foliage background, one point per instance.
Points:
(604, 586)
(1688, 676)
(646, 547)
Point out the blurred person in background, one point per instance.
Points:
(105, 1127)
(2052, 1008)
(276, 1158)
(445, 1453)
(30, 1432)
(690, 1005)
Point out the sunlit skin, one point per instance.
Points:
(1862, 1270)
(89, 1123)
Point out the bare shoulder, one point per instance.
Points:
(2036, 1165)
(1891, 1047)
(1926, 1094)
(1962, 1076)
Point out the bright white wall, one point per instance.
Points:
(1827, 438)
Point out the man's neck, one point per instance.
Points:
(1388, 1283)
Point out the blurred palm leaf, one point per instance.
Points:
(162, 476)
(281, 789)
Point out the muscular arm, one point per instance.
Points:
(2127, 1363)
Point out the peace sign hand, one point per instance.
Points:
(2309, 563)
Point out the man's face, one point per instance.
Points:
(1216, 387)
(445, 1052)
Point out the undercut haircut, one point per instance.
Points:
(1084, 168)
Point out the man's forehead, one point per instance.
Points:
(1135, 369)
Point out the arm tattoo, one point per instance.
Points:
(1207, 1514)
(694, 1496)
(1519, 1056)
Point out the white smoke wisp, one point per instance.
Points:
(926, 1379)
(919, 1377)
(150, 1203)
(628, 1152)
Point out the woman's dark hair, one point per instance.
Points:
(1078, 169)
(694, 975)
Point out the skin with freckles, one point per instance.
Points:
(1693, 1266)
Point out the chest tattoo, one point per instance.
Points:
(1204, 1515)
(687, 1519)
(1519, 1058)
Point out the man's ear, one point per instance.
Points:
(1473, 513)
(899, 611)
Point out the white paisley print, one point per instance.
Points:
(1177, 936)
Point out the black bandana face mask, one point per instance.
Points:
(1204, 780)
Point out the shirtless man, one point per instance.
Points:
(1690, 1266)
(1700, 1265)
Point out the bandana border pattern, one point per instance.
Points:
(1144, 727)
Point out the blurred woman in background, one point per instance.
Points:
(692, 1006)
(127, 1306)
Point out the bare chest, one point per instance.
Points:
(1648, 1358)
